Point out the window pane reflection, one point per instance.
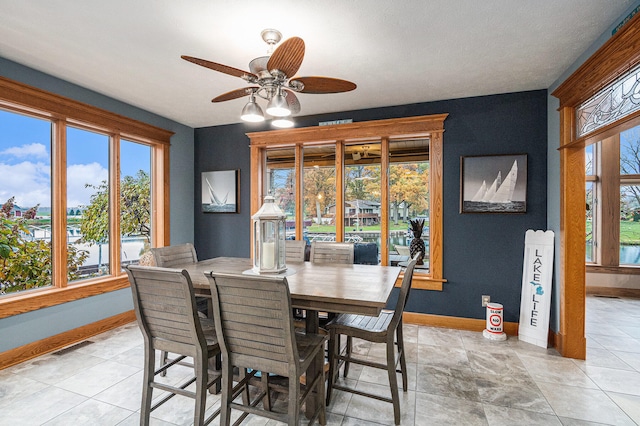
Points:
(630, 224)
(25, 198)
(408, 198)
(281, 184)
(319, 176)
(88, 200)
(362, 198)
(135, 203)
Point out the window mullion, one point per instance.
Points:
(115, 242)
(299, 186)
(59, 203)
(339, 164)
(609, 207)
(384, 201)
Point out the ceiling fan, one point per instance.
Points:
(272, 78)
(366, 152)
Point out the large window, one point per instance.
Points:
(336, 185)
(25, 193)
(83, 194)
(612, 168)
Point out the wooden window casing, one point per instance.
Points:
(620, 54)
(610, 179)
(62, 111)
(383, 131)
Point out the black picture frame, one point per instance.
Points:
(493, 183)
(221, 191)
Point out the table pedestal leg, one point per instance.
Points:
(312, 326)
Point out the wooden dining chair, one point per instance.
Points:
(334, 253)
(295, 250)
(165, 308)
(331, 252)
(170, 257)
(380, 329)
(254, 323)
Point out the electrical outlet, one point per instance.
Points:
(485, 300)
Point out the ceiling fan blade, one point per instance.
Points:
(292, 101)
(234, 94)
(219, 67)
(318, 85)
(287, 57)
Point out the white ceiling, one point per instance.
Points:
(397, 52)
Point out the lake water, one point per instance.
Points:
(629, 255)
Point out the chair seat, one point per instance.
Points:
(366, 327)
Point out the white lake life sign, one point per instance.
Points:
(535, 300)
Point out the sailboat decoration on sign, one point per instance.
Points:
(504, 195)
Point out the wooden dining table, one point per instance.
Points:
(354, 289)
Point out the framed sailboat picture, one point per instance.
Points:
(220, 191)
(493, 184)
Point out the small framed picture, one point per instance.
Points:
(221, 191)
(493, 184)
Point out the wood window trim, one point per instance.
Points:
(22, 98)
(617, 270)
(431, 126)
(610, 180)
(619, 54)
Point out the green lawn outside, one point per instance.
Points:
(629, 232)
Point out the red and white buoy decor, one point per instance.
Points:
(494, 330)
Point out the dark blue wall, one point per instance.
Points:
(482, 252)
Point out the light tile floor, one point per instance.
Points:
(455, 378)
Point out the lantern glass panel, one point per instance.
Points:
(268, 257)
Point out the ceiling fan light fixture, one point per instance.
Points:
(271, 78)
(252, 112)
(282, 123)
(278, 106)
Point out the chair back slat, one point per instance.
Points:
(295, 250)
(331, 252)
(165, 307)
(171, 256)
(405, 289)
(253, 320)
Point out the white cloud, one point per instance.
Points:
(30, 183)
(33, 150)
(80, 174)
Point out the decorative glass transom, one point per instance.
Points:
(610, 104)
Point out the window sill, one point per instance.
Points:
(423, 282)
(623, 270)
(44, 298)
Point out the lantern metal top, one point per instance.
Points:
(269, 210)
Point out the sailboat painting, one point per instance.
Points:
(220, 191)
(493, 184)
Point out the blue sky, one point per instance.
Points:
(25, 165)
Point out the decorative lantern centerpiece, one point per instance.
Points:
(269, 232)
